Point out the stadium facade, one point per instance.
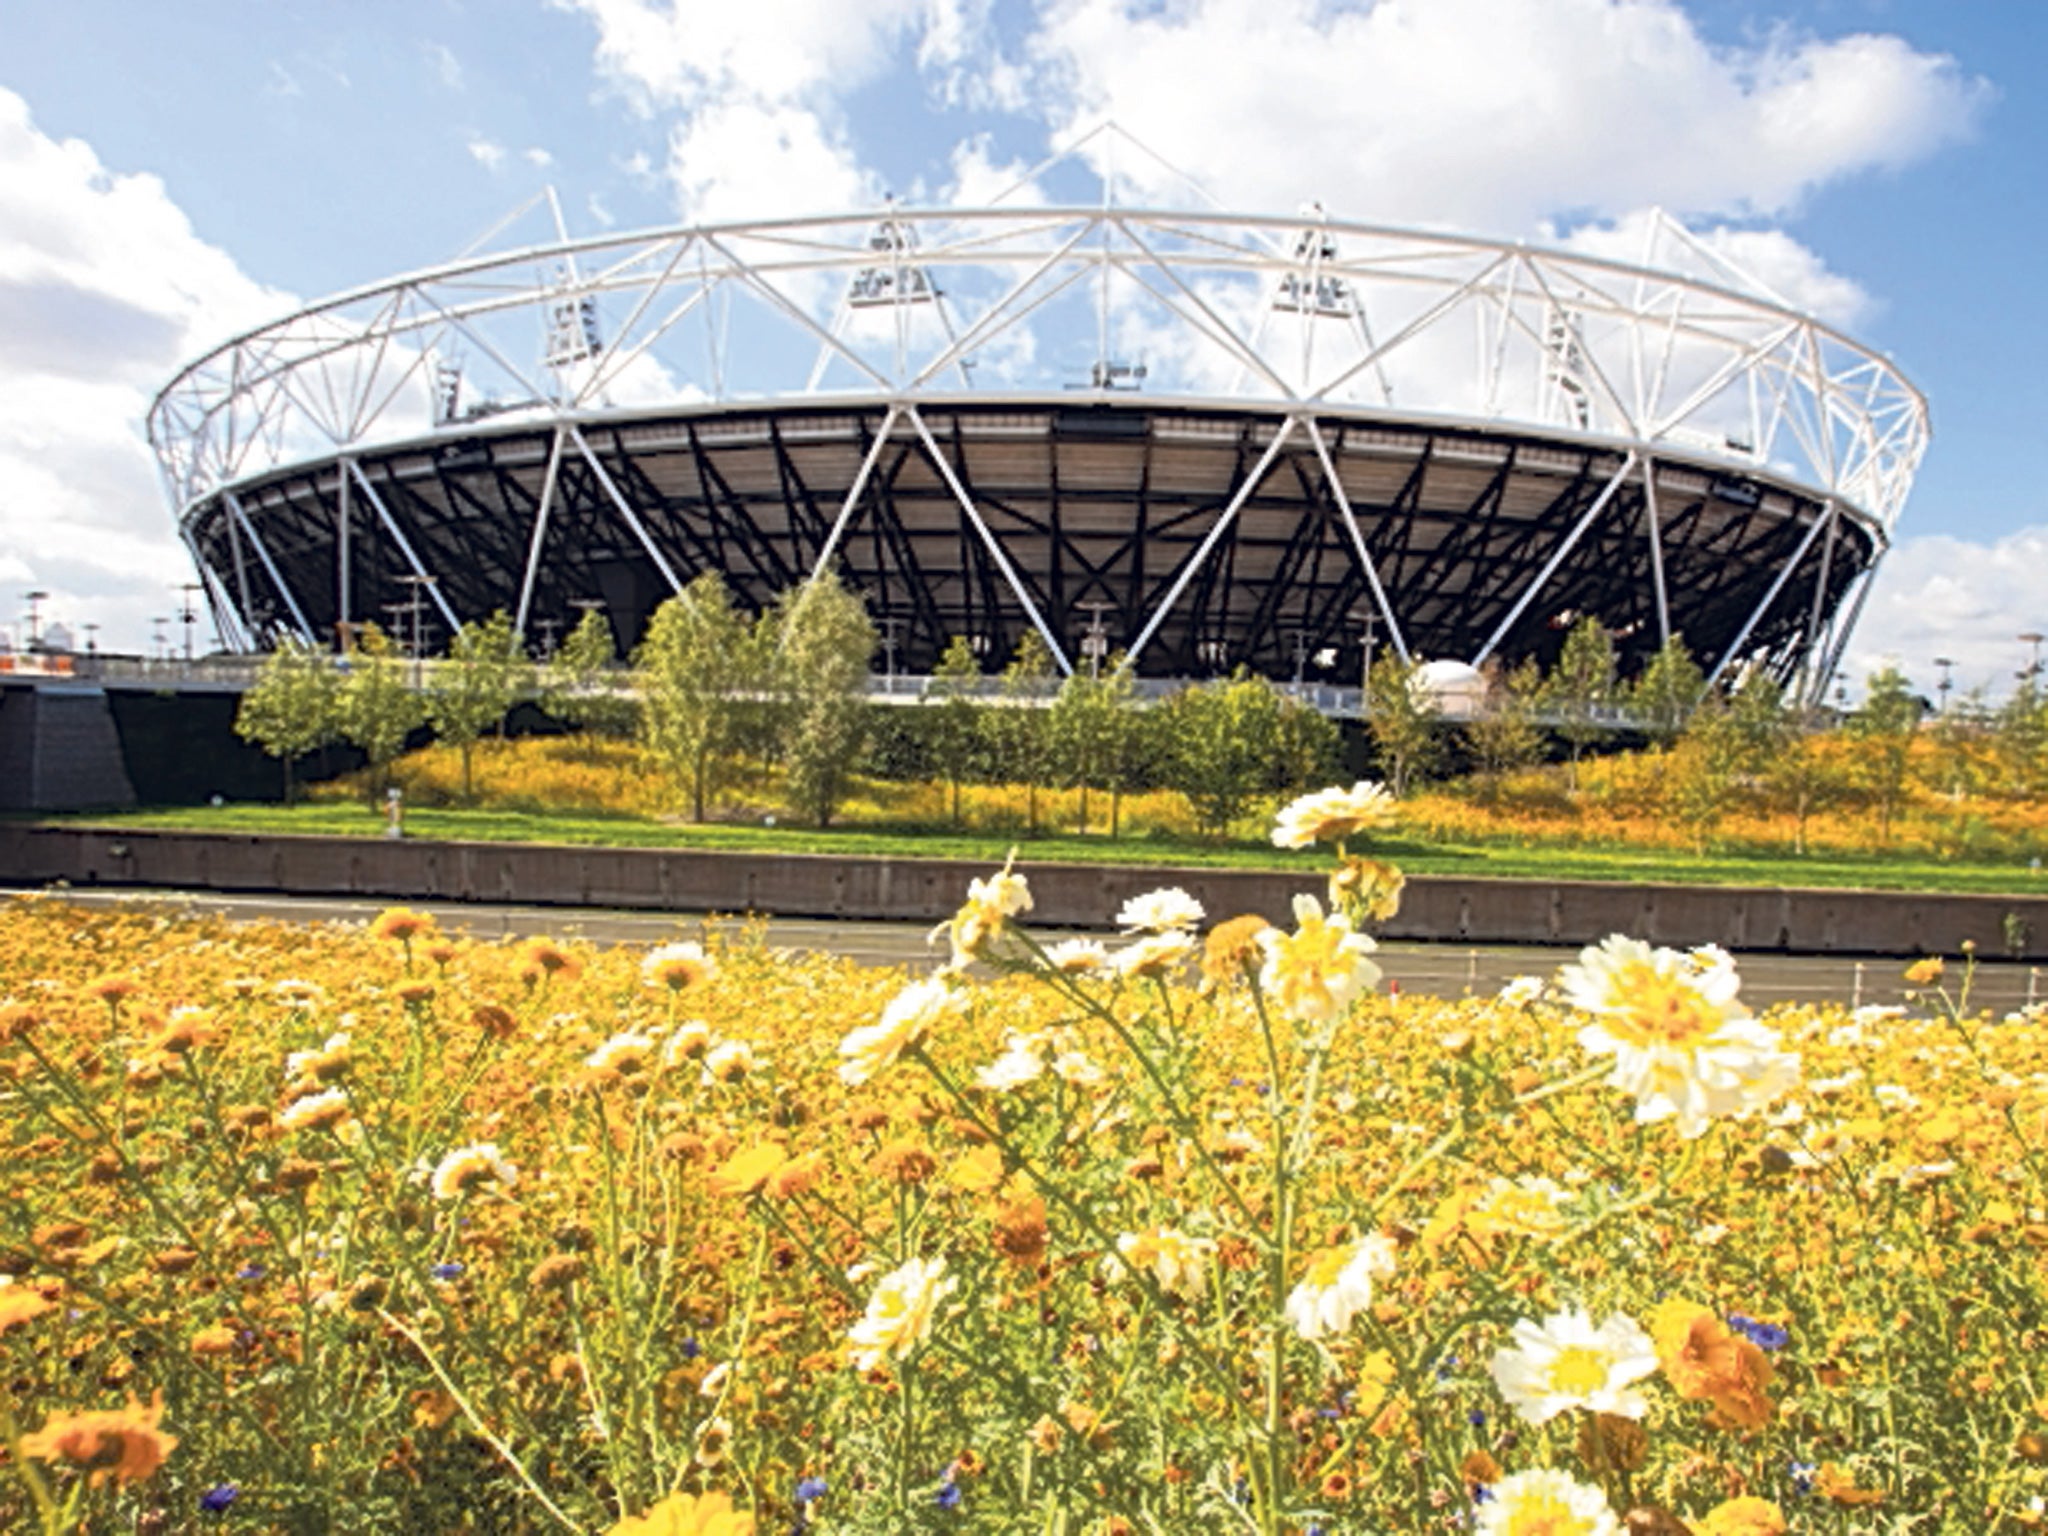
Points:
(1200, 439)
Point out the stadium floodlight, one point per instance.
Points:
(1453, 436)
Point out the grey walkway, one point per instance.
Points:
(1420, 969)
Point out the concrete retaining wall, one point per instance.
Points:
(1078, 895)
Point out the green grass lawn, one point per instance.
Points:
(1501, 860)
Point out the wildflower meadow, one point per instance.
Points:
(1197, 1228)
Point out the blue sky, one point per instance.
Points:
(171, 173)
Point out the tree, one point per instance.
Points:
(1129, 743)
(695, 661)
(1883, 729)
(1504, 736)
(1800, 772)
(1580, 687)
(1019, 729)
(294, 706)
(1702, 768)
(823, 644)
(1217, 739)
(579, 686)
(472, 690)
(956, 728)
(379, 706)
(2020, 735)
(1665, 692)
(1307, 749)
(1092, 729)
(1757, 714)
(1402, 717)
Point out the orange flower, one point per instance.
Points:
(1702, 1358)
(121, 1443)
(401, 924)
(541, 958)
(18, 1305)
(688, 1514)
(1839, 1487)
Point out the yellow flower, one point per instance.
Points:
(1334, 814)
(910, 1016)
(1546, 1503)
(688, 1514)
(1682, 1044)
(1314, 972)
(462, 1170)
(747, 1173)
(899, 1315)
(986, 914)
(679, 967)
(1923, 972)
(1178, 1263)
(1743, 1517)
(316, 1111)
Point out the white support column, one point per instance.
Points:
(1652, 517)
(224, 617)
(341, 562)
(270, 566)
(1571, 541)
(988, 538)
(405, 546)
(540, 528)
(1237, 500)
(1820, 586)
(1365, 560)
(241, 573)
(860, 483)
(626, 511)
(1764, 607)
(1844, 628)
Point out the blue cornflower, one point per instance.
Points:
(1481, 1494)
(692, 1349)
(216, 1499)
(445, 1271)
(949, 1495)
(1445, 1367)
(1762, 1335)
(812, 1488)
(251, 1272)
(1476, 1418)
(1801, 1473)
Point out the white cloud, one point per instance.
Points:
(1768, 261)
(537, 157)
(447, 68)
(1938, 595)
(755, 92)
(1493, 114)
(485, 152)
(104, 292)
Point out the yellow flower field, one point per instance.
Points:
(1193, 1229)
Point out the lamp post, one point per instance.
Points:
(416, 606)
(35, 618)
(1947, 665)
(2032, 675)
(1095, 640)
(188, 614)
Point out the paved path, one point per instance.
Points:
(1443, 970)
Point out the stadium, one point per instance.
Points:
(1200, 439)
